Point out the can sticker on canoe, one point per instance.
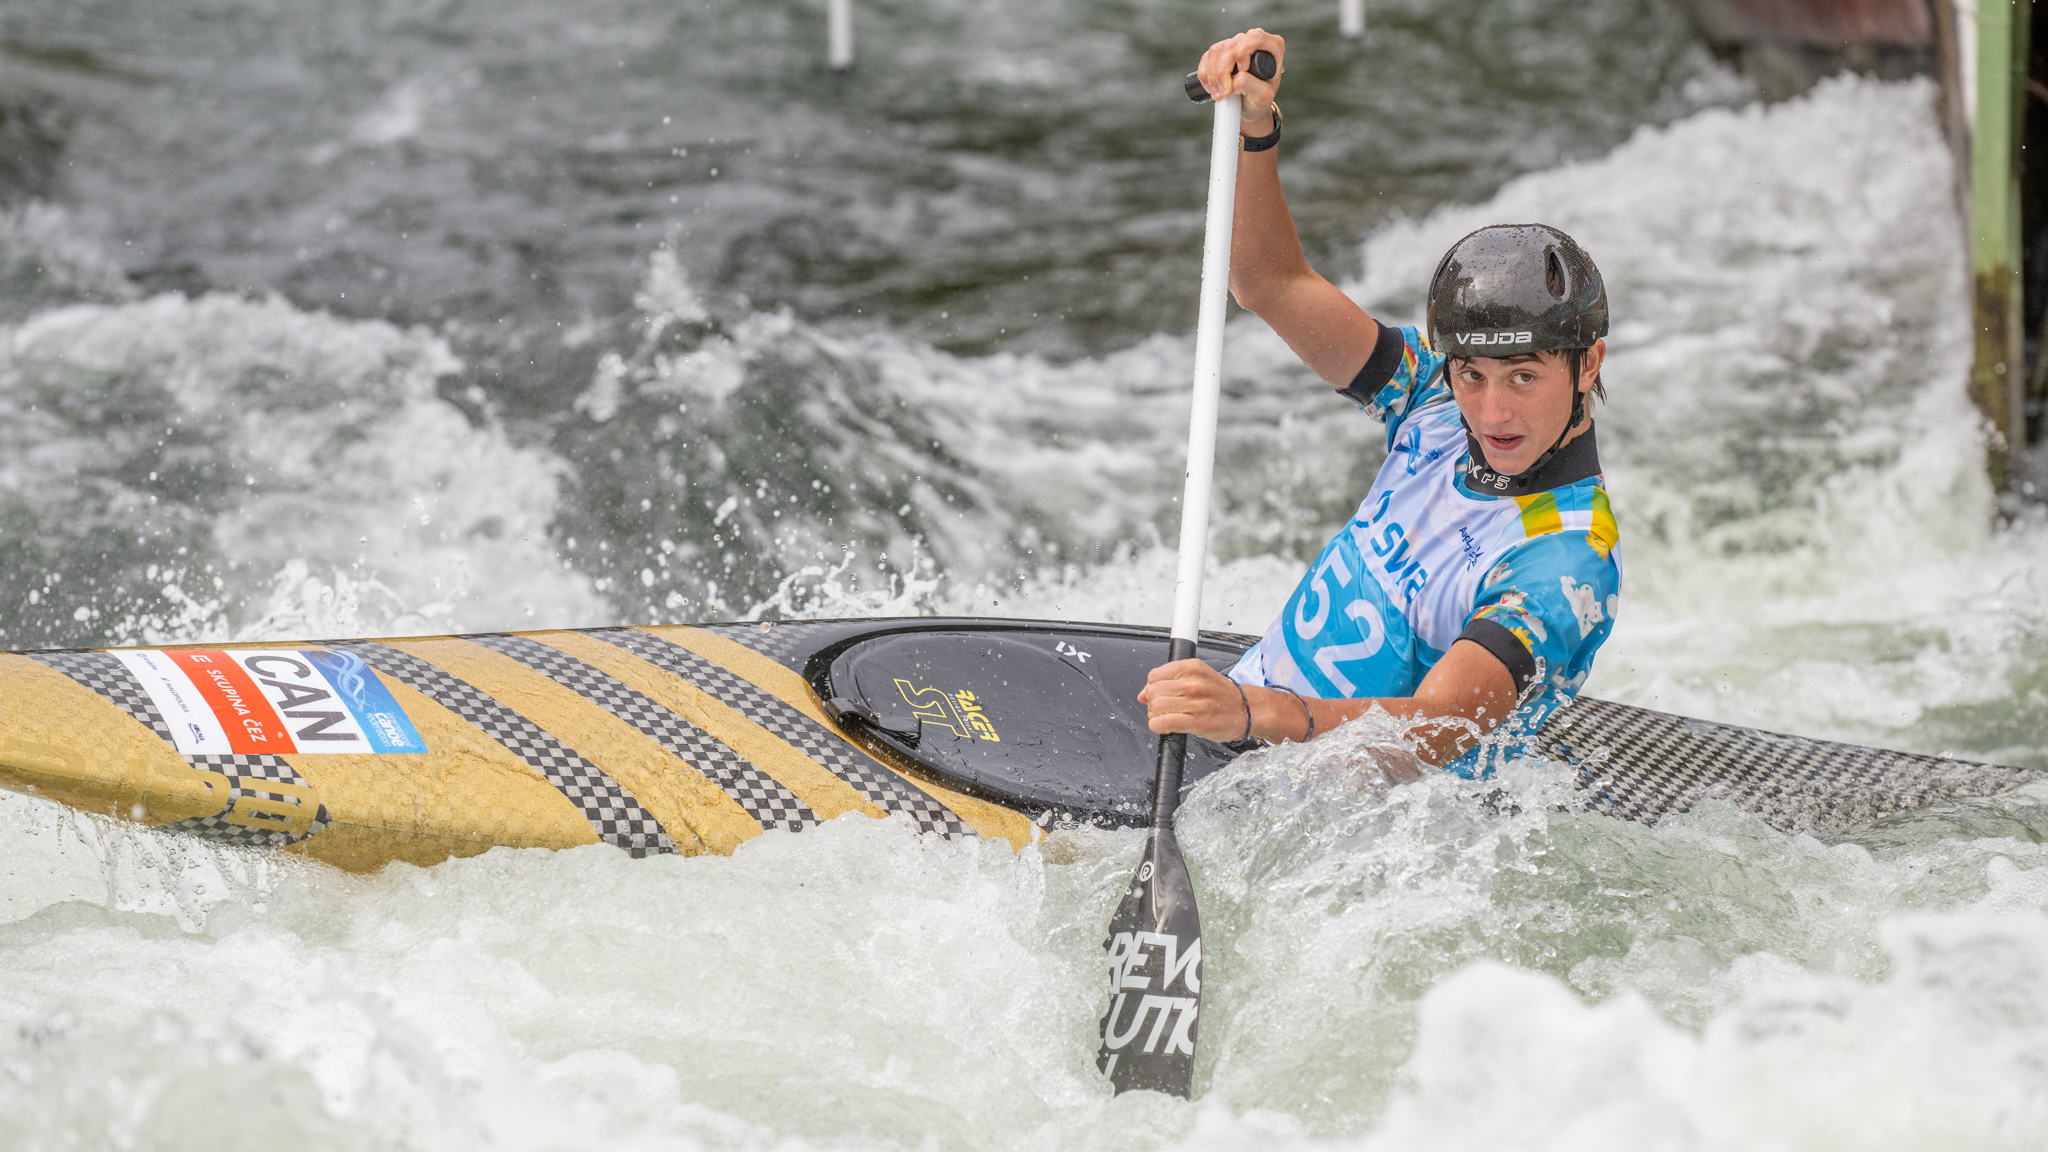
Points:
(277, 701)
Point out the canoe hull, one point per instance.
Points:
(655, 740)
(696, 739)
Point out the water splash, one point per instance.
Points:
(165, 458)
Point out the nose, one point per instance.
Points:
(1494, 405)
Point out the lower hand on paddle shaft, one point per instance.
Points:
(1189, 696)
(1468, 692)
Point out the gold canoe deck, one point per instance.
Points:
(654, 739)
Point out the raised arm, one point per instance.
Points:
(1268, 273)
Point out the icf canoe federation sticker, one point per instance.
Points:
(271, 700)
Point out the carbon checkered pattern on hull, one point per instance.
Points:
(118, 686)
(248, 774)
(878, 784)
(1643, 765)
(112, 680)
(763, 797)
(617, 816)
(788, 644)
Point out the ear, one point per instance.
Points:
(1589, 366)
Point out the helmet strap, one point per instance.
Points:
(1516, 485)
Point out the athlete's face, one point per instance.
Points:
(1517, 406)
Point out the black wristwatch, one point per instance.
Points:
(1261, 143)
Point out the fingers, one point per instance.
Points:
(1190, 696)
(1259, 94)
(1177, 670)
(1225, 69)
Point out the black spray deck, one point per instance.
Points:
(1053, 724)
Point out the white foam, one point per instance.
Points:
(329, 456)
(43, 261)
(1391, 967)
(1000, 470)
(1509, 1058)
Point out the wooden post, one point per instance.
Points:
(2016, 373)
(1955, 103)
(1996, 377)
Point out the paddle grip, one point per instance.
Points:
(1263, 66)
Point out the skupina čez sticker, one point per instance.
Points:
(273, 701)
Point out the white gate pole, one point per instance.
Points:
(839, 34)
(1351, 18)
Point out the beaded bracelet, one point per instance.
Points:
(1305, 710)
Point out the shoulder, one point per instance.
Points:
(1558, 585)
(1416, 354)
(1399, 376)
(1565, 521)
(1560, 565)
(1419, 364)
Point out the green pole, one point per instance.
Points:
(1996, 377)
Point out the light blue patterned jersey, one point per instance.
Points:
(1426, 556)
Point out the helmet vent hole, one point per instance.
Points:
(1553, 272)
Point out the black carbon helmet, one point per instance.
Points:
(1514, 288)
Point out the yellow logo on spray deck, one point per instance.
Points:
(977, 719)
(960, 711)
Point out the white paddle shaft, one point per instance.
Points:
(1194, 501)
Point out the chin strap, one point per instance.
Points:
(1481, 476)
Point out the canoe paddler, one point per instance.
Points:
(1479, 576)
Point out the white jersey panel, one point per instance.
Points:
(1431, 543)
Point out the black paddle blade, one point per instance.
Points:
(1155, 976)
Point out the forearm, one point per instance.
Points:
(1265, 249)
(1468, 694)
(1271, 277)
(1282, 716)
(1268, 273)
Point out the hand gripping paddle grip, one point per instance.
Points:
(1263, 66)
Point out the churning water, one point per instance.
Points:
(379, 317)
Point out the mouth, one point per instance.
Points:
(1503, 444)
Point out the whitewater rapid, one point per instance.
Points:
(1811, 546)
